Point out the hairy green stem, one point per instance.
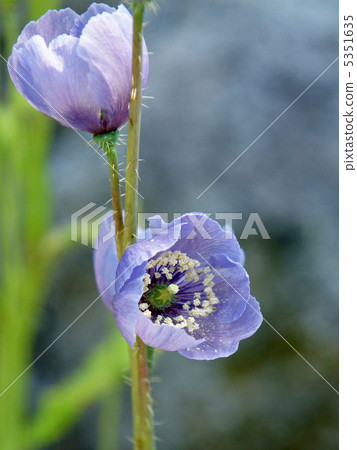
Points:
(141, 398)
(131, 186)
(116, 198)
(126, 235)
(108, 143)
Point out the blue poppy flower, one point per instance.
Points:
(182, 289)
(77, 68)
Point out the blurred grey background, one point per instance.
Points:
(221, 72)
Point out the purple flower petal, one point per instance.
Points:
(223, 339)
(106, 261)
(231, 288)
(42, 68)
(109, 53)
(50, 25)
(163, 336)
(93, 10)
(208, 236)
(125, 303)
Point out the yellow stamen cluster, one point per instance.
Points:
(165, 265)
(147, 281)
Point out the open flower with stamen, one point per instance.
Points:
(77, 68)
(184, 289)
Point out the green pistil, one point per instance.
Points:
(162, 295)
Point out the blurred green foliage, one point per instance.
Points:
(30, 247)
(60, 406)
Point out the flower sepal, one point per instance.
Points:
(106, 138)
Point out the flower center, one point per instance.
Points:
(162, 295)
(177, 291)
